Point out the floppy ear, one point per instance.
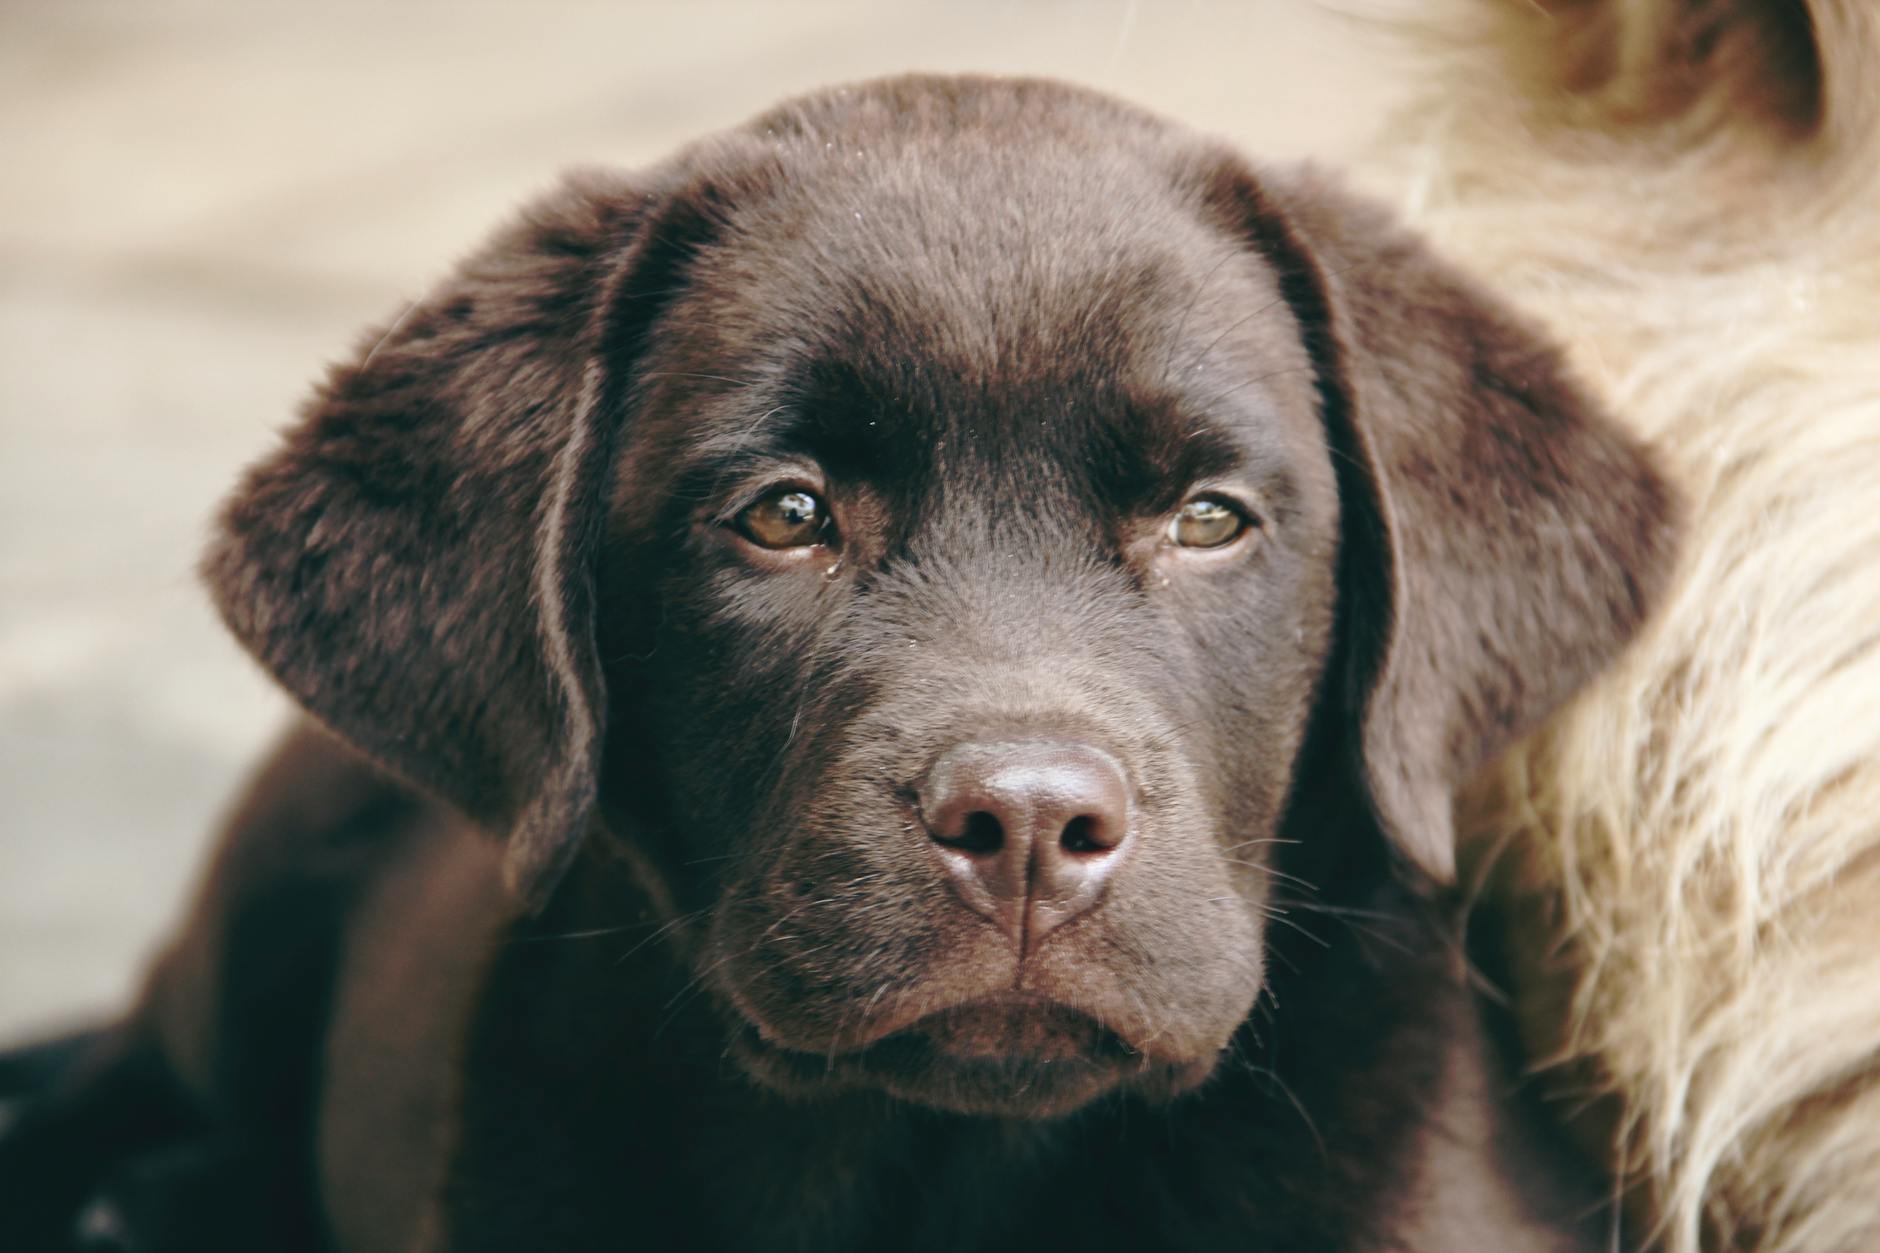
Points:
(1504, 537)
(414, 563)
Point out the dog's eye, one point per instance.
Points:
(787, 518)
(1206, 522)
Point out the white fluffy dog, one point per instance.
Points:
(1686, 865)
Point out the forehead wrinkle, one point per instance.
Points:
(754, 440)
(1197, 451)
(1233, 301)
(692, 431)
(993, 319)
(982, 269)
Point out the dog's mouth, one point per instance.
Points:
(1014, 1055)
(1020, 1028)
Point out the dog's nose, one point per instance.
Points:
(1029, 831)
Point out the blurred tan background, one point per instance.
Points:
(202, 203)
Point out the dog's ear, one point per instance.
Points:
(414, 564)
(1504, 538)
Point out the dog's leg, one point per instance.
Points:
(33, 1068)
(79, 1106)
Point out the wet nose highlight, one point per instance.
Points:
(1029, 831)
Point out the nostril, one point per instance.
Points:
(1032, 830)
(980, 833)
(1083, 834)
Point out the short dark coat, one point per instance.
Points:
(695, 992)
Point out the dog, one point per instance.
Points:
(1680, 872)
(895, 680)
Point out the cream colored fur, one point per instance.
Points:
(1688, 860)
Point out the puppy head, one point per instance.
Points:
(933, 526)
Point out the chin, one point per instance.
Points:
(1014, 1057)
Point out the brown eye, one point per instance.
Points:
(789, 518)
(1206, 522)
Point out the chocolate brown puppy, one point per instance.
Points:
(894, 681)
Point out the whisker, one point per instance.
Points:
(663, 930)
(1279, 916)
(591, 933)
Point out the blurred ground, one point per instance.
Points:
(200, 204)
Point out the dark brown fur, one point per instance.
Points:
(698, 992)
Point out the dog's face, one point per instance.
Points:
(923, 525)
(987, 597)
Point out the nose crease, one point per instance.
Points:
(1029, 832)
